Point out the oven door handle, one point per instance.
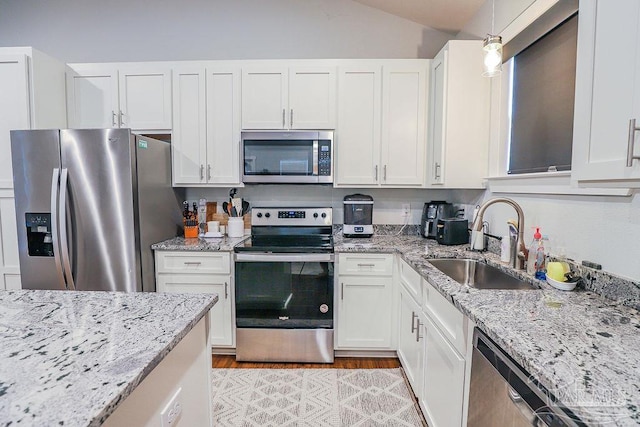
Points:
(271, 257)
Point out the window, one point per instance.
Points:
(542, 99)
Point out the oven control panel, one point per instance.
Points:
(291, 216)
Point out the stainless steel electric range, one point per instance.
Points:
(284, 287)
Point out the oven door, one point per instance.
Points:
(287, 157)
(284, 291)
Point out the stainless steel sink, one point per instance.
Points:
(479, 275)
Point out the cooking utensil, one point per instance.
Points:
(245, 207)
(225, 208)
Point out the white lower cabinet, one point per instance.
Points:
(410, 342)
(186, 272)
(442, 394)
(365, 299)
(434, 348)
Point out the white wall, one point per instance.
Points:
(605, 230)
(137, 30)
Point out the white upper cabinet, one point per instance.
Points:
(381, 132)
(281, 97)
(136, 96)
(357, 139)
(458, 117)
(206, 131)
(607, 94)
(404, 112)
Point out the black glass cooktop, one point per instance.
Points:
(287, 244)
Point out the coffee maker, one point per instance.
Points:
(358, 216)
(431, 213)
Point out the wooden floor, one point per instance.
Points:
(224, 361)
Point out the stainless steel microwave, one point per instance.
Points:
(287, 157)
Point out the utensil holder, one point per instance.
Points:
(235, 227)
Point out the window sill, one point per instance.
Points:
(558, 183)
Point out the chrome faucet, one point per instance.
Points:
(518, 256)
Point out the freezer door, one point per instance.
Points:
(35, 156)
(100, 229)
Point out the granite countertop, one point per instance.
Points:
(214, 244)
(69, 358)
(585, 349)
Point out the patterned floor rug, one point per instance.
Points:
(312, 397)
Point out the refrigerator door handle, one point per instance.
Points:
(64, 238)
(55, 232)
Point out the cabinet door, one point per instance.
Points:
(365, 309)
(410, 342)
(404, 110)
(92, 98)
(443, 387)
(223, 126)
(357, 145)
(607, 90)
(221, 327)
(459, 117)
(436, 117)
(14, 108)
(312, 98)
(264, 98)
(189, 137)
(145, 99)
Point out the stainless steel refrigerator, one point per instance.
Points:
(89, 204)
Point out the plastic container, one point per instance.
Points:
(505, 248)
(536, 257)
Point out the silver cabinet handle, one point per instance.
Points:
(283, 115)
(376, 168)
(120, 120)
(113, 118)
(226, 290)
(366, 265)
(413, 321)
(291, 119)
(437, 171)
(201, 172)
(418, 336)
(342, 290)
(384, 173)
(208, 172)
(192, 263)
(631, 142)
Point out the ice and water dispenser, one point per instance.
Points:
(39, 241)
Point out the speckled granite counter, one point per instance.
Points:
(200, 244)
(69, 358)
(583, 348)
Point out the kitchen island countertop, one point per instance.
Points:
(585, 349)
(69, 358)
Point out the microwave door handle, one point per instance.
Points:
(315, 158)
(55, 232)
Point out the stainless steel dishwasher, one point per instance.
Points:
(503, 394)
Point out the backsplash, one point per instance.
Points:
(605, 284)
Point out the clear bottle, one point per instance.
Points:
(536, 257)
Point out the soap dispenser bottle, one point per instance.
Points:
(535, 260)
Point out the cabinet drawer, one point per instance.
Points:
(193, 262)
(366, 264)
(411, 280)
(451, 322)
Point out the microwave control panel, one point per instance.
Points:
(324, 158)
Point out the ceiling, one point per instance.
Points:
(443, 15)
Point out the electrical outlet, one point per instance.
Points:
(406, 210)
(171, 413)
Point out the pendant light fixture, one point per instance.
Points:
(492, 48)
